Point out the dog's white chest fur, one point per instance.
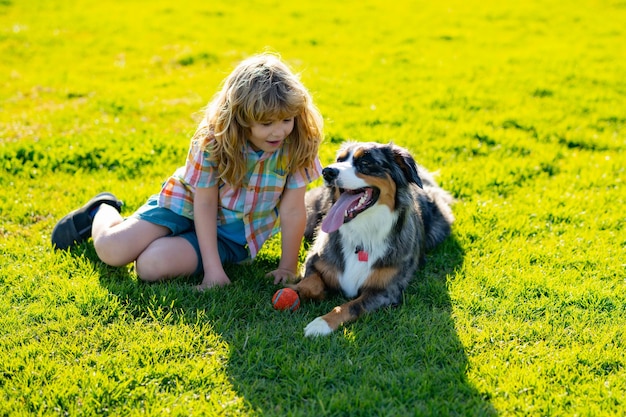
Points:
(367, 233)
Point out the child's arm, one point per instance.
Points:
(205, 219)
(292, 222)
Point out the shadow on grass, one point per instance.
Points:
(406, 360)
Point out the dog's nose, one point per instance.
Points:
(330, 174)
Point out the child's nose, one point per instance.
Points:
(281, 131)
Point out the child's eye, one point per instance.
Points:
(288, 120)
(267, 123)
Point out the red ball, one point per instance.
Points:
(286, 299)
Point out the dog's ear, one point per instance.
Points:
(407, 164)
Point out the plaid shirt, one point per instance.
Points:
(256, 204)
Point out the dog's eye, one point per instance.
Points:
(366, 161)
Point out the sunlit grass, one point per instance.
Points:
(519, 106)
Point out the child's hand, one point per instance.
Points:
(214, 280)
(281, 275)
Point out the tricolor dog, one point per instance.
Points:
(372, 224)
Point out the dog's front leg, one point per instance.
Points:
(331, 321)
(369, 300)
(311, 287)
(319, 276)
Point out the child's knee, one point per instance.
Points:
(165, 259)
(148, 268)
(151, 265)
(110, 252)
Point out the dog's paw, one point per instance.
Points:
(317, 327)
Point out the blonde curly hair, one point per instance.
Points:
(261, 88)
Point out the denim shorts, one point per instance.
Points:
(229, 251)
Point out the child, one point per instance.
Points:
(249, 162)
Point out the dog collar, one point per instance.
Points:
(361, 253)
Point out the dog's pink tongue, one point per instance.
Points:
(334, 217)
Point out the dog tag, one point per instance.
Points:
(362, 256)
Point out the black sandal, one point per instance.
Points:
(76, 226)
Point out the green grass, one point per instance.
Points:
(519, 105)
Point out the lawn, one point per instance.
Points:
(520, 107)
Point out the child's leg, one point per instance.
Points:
(165, 258)
(157, 256)
(140, 238)
(119, 242)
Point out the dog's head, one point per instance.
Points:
(366, 174)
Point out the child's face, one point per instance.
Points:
(269, 136)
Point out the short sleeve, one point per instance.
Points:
(305, 176)
(200, 172)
